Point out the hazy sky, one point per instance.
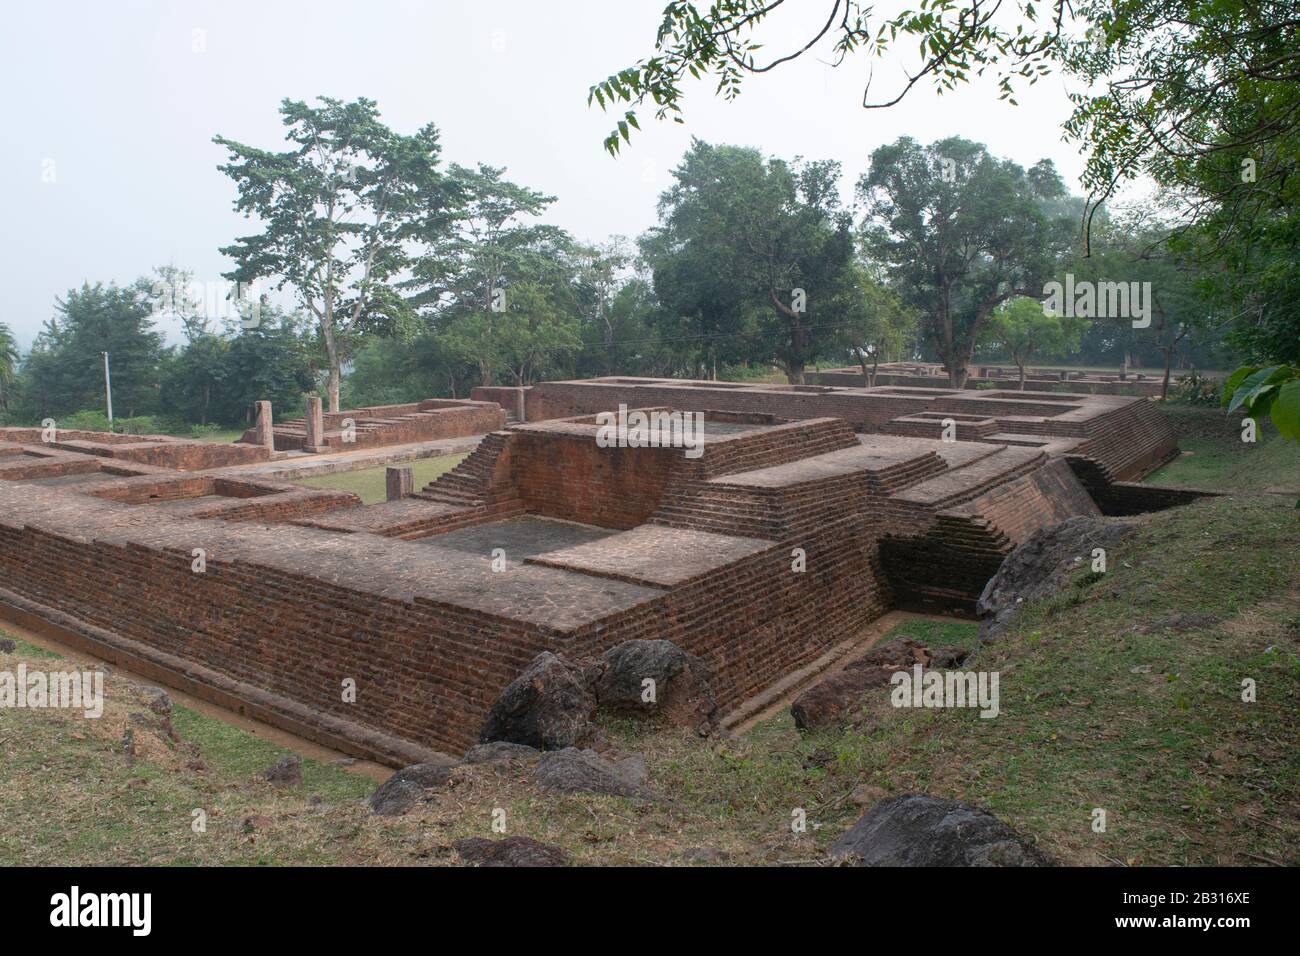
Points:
(117, 103)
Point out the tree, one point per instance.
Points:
(339, 210)
(960, 232)
(879, 324)
(1023, 328)
(1200, 95)
(65, 372)
(739, 232)
(8, 366)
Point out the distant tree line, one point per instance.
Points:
(403, 278)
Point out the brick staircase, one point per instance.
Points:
(470, 484)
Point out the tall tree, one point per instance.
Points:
(8, 366)
(961, 232)
(763, 235)
(1199, 95)
(1025, 330)
(339, 210)
(66, 370)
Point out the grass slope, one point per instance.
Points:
(1214, 456)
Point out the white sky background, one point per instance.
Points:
(115, 95)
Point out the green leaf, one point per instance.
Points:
(1286, 411)
(1252, 381)
(1235, 379)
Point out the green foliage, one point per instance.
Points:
(8, 366)
(1196, 389)
(88, 420)
(1272, 391)
(960, 232)
(738, 235)
(1199, 95)
(338, 210)
(65, 370)
(1025, 329)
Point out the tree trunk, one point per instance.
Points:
(862, 360)
(1022, 376)
(1169, 361)
(332, 355)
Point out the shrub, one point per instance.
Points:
(1195, 389)
(87, 420)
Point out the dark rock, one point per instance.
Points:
(7, 646)
(585, 771)
(953, 655)
(285, 772)
(257, 822)
(918, 830)
(407, 787)
(681, 683)
(500, 751)
(158, 700)
(1039, 567)
(512, 851)
(548, 706)
(839, 696)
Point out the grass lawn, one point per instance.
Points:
(368, 483)
(1215, 457)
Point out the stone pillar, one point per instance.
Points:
(399, 483)
(315, 426)
(262, 429)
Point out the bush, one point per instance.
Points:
(87, 420)
(1195, 389)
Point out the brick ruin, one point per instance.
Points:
(542, 539)
(378, 425)
(932, 375)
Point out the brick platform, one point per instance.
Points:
(930, 375)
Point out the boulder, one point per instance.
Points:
(1039, 567)
(585, 771)
(919, 830)
(407, 787)
(512, 851)
(7, 646)
(548, 706)
(839, 696)
(681, 693)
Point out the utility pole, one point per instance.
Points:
(108, 392)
